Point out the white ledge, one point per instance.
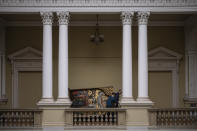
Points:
(99, 3)
(84, 6)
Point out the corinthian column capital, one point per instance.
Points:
(47, 18)
(63, 18)
(143, 18)
(127, 18)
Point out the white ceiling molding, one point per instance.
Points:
(98, 3)
(93, 23)
(27, 59)
(163, 59)
(81, 6)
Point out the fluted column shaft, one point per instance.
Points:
(142, 56)
(63, 19)
(127, 96)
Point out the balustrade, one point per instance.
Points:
(174, 117)
(95, 118)
(92, 118)
(20, 118)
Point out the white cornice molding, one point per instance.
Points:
(163, 53)
(93, 23)
(99, 3)
(26, 54)
(81, 6)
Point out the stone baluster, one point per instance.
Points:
(115, 118)
(110, 118)
(88, 119)
(93, 119)
(96, 119)
(79, 119)
(83, 119)
(19, 119)
(74, 118)
(101, 117)
(9, 119)
(14, 119)
(1, 120)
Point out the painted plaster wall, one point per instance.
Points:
(160, 83)
(91, 65)
(30, 90)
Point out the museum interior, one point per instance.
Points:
(97, 70)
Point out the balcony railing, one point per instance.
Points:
(20, 118)
(174, 117)
(95, 118)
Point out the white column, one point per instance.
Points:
(47, 94)
(142, 57)
(190, 60)
(63, 19)
(175, 88)
(127, 96)
(3, 98)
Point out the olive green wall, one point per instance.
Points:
(30, 88)
(160, 90)
(93, 65)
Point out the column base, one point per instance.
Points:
(46, 101)
(127, 101)
(3, 100)
(63, 101)
(144, 101)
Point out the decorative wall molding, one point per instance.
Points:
(47, 18)
(27, 59)
(163, 59)
(143, 18)
(63, 18)
(127, 18)
(99, 5)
